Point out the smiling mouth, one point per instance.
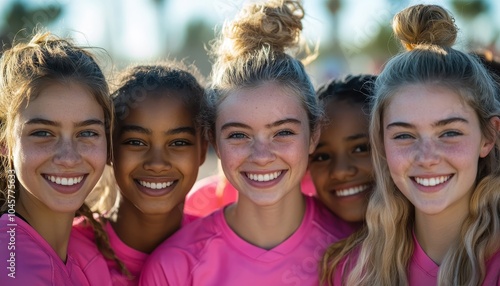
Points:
(263, 177)
(64, 181)
(155, 185)
(431, 182)
(352, 191)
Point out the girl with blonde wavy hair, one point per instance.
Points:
(434, 216)
(56, 116)
(262, 119)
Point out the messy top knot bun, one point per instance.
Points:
(274, 24)
(261, 45)
(424, 25)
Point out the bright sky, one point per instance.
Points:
(135, 33)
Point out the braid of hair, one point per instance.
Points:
(101, 238)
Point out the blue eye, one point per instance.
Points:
(403, 136)
(451, 134)
(41, 133)
(285, 133)
(236, 136)
(88, 133)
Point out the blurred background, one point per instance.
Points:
(354, 36)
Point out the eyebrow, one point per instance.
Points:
(134, 128)
(84, 123)
(357, 136)
(147, 131)
(349, 138)
(436, 124)
(270, 125)
(180, 130)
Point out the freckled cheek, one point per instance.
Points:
(31, 154)
(233, 156)
(461, 155)
(95, 151)
(397, 157)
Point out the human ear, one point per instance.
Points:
(488, 144)
(314, 139)
(203, 151)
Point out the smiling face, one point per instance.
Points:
(341, 166)
(59, 148)
(157, 153)
(263, 141)
(433, 142)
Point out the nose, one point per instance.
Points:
(341, 168)
(427, 153)
(262, 152)
(157, 160)
(67, 153)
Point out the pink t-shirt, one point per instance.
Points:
(208, 252)
(26, 258)
(423, 271)
(214, 192)
(99, 269)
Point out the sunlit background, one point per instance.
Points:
(354, 36)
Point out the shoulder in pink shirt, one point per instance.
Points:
(96, 267)
(207, 252)
(87, 255)
(27, 259)
(423, 271)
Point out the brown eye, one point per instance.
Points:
(134, 142)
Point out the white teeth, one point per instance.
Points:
(64, 181)
(265, 177)
(431, 182)
(155, 186)
(351, 191)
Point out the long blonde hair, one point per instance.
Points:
(385, 246)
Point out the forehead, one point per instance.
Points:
(344, 108)
(346, 115)
(158, 108)
(268, 102)
(63, 101)
(426, 103)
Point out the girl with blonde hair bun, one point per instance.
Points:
(262, 118)
(434, 216)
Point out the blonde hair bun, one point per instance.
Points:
(274, 23)
(425, 25)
